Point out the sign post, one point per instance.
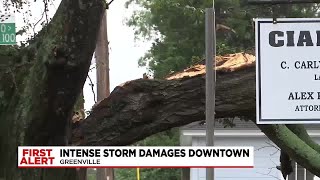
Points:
(210, 81)
(288, 71)
(7, 29)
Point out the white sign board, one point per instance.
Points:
(288, 71)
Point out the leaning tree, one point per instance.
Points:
(40, 83)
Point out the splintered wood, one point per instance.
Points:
(227, 63)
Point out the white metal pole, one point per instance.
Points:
(210, 83)
(296, 171)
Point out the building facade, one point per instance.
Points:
(266, 153)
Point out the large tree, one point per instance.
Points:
(40, 83)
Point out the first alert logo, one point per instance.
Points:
(36, 157)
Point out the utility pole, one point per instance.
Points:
(102, 61)
(103, 81)
(210, 81)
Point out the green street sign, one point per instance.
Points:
(7, 29)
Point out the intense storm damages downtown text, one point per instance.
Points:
(154, 153)
(174, 153)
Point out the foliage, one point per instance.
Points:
(177, 27)
(91, 174)
(167, 138)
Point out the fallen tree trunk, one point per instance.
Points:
(144, 107)
(141, 108)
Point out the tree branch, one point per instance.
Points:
(144, 107)
(302, 133)
(297, 149)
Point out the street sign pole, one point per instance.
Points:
(210, 81)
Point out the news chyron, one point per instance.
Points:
(129, 157)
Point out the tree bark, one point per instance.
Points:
(143, 107)
(41, 83)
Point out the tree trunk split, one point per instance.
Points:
(143, 107)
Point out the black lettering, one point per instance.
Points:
(229, 153)
(291, 96)
(191, 152)
(282, 65)
(80, 153)
(64, 153)
(198, 153)
(272, 38)
(305, 107)
(216, 153)
(318, 38)
(246, 152)
(105, 153)
(305, 37)
(183, 153)
(290, 38)
(222, 153)
(117, 153)
(207, 152)
(142, 153)
(303, 94)
(310, 94)
(110, 152)
(310, 108)
(148, 154)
